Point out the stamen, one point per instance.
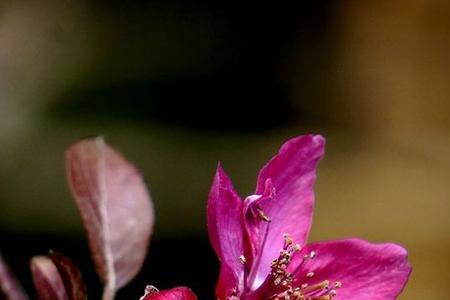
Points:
(283, 280)
(306, 257)
(242, 259)
(279, 266)
(262, 216)
(316, 287)
(287, 240)
(149, 289)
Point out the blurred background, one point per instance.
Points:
(178, 85)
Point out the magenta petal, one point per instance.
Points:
(291, 173)
(225, 228)
(366, 270)
(179, 293)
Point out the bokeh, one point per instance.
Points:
(178, 85)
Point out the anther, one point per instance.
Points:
(283, 280)
(242, 259)
(149, 289)
(287, 239)
(263, 216)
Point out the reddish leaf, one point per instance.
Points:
(10, 288)
(47, 281)
(70, 275)
(115, 207)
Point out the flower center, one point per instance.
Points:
(282, 280)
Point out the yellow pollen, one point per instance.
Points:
(283, 280)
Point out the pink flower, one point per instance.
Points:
(261, 241)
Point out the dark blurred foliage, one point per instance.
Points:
(171, 262)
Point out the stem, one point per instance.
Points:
(109, 292)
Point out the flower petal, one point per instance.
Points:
(366, 270)
(178, 293)
(291, 173)
(225, 228)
